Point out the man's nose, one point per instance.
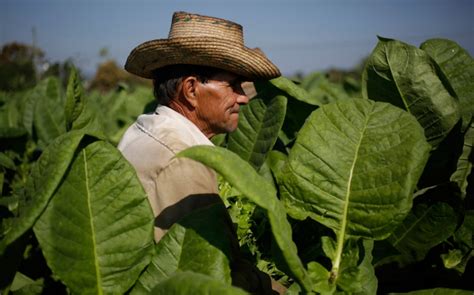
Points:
(242, 99)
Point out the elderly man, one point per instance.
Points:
(197, 74)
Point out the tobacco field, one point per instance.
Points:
(359, 187)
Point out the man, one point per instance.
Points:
(197, 74)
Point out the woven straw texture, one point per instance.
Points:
(201, 40)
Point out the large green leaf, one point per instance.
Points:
(245, 179)
(464, 165)
(300, 103)
(426, 226)
(353, 168)
(407, 77)
(437, 291)
(49, 113)
(197, 243)
(195, 283)
(259, 124)
(97, 231)
(293, 90)
(458, 66)
(45, 177)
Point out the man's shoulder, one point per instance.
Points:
(150, 132)
(163, 129)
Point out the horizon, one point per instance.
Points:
(298, 36)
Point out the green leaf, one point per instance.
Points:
(329, 247)
(407, 77)
(74, 99)
(243, 177)
(45, 177)
(293, 90)
(320, 277)
(276, 161)
(452, 258)
(195, 283)
(438, 291)
(347, 276)
(196, 243)
(464, 165)
(458, 66)
(81, 113)
(426, 226)
(29, 107)
(122, 107)
(443, 161)
(49, 113)
(97, 231)
(259, 124)
(219, 139)
(367, 271)
(300, 104)
(89, 120)
(11, 260)
(25, 285)
(465, 233)
(6, 162)
(321, 88)
(10, 116)
(296, 115)
(354, 167)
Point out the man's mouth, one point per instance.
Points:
(235, 110)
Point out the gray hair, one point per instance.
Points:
(166, 80)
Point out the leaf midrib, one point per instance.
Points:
(342, 231)
(396, 83)
(91, 221)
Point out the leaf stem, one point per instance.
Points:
(342, 232)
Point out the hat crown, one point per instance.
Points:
(196, 26)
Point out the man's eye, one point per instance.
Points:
(236, 84)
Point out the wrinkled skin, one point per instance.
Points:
(218, 103)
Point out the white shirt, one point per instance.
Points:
(174, 186)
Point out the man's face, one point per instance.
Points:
(219, 100)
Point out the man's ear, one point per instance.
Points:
(189, 90)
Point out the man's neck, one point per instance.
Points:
(191, 116)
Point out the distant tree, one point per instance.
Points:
(109, 76)
(18, 66)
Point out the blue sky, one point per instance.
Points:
(297, 35)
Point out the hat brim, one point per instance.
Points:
(205, 51)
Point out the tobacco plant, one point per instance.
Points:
(331, 191)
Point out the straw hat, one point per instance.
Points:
(201, 40)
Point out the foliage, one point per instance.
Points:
(17, 66)
(364, 170)
(350, 187)
(109, 76)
